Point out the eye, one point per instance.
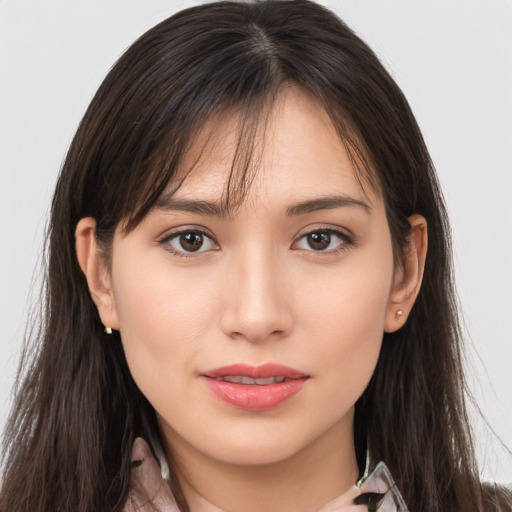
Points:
(189, 241)
(323, 240)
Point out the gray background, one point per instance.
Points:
(453, 60)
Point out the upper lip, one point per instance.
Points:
(256, 372)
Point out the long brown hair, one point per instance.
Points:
(78, 411)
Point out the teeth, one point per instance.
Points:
(232, 378)
(242, 379)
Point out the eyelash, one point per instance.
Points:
(346, 241)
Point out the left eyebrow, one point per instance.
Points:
(326, 203)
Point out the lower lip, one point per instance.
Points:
(254, 397)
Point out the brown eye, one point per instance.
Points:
(319, 240)
(191, 241)
(324, 240)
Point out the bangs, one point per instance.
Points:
(166, 171)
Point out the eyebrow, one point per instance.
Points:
(326, 203)
(199, 207)
(214, 209)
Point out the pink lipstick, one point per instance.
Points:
(255, 388)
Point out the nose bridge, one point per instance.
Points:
(256, 307)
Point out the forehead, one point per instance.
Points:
(290, 148)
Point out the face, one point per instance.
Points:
(253, 334)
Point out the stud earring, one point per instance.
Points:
(399, 315)
(108, 330)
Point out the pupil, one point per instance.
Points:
(319, 240)
(191, 241)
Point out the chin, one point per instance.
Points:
(256, 454)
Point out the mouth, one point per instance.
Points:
(255, 388)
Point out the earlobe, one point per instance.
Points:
(408, 277)
(95, 271)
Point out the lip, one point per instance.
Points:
(256, 372)
(255, 397)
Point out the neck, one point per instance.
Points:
(304, 482)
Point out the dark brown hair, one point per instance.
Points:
(78, 411)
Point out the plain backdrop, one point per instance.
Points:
(452, 58)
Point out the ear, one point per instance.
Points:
(95, 270)
(408, 277)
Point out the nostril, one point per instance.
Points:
(256, 332)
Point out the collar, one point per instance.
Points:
(381, 483)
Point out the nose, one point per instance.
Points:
(258, 307)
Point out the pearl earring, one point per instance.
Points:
(398, 315)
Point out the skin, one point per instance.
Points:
(258, 292)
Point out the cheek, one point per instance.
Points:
(156, 306)
(346, 322)
(351, 301)
(163, 320)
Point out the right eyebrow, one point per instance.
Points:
(199, 207)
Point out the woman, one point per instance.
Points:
(239, 275)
